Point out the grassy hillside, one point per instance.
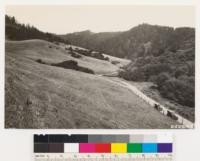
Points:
(44, 96)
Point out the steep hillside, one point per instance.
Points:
(39, 95)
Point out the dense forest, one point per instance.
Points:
(17, 31)
(159, 54)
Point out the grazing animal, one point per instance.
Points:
(172, 115)
(157, 107)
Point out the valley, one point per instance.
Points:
(44, 96)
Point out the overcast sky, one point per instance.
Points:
(67, 19)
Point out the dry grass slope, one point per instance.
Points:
(43, 96)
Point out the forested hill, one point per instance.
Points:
(17, 31)
(141, 40)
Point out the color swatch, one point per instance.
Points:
(118, 147)
(149, 148)
(101, 144)
(134, 148)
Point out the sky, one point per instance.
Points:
(67, 19)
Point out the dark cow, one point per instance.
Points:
(157, 107)
(172, 115)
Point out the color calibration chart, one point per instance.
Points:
(136, 147)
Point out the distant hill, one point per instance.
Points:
(17, 31)
(140, 40)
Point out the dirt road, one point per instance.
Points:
(163, 110)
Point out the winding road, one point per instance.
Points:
(163, 110)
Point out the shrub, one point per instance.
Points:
(161, 79)
(125, 75)
(70, 49)
(57, 43)
(179, 91)
(138, 75)
(40, 61)
(155, 69)
(83, 52)
(152, 78)
(75, 55)
(86, 70)
(115, 62)
(135, 75)
(181, 71)
(106, 58)
(71, 64)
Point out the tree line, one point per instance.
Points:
(18, 31)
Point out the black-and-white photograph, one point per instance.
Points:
(99, 67)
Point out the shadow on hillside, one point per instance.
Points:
(68, 64)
